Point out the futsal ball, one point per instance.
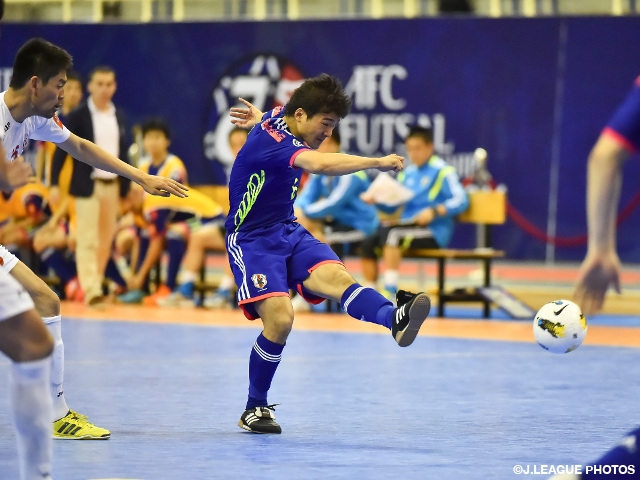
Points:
(560, 326)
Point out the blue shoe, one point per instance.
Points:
(131, 297)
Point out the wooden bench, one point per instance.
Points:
(484, 255)
(486, 208)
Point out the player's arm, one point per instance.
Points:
(601, 267)
(341, 163)
(91, 154)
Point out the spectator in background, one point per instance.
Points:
(73, 93)
(426, 221)
(207, 239)
(96, 192)
(156, 139)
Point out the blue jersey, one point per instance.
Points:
(624, 126)
(339, 198)
(264, 182)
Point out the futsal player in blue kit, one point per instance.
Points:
(600, 269)
(270, 253)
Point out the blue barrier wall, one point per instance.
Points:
(533, 92)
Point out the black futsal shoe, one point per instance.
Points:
(260, 420)
(413, 310)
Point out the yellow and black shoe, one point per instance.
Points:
(74, 426)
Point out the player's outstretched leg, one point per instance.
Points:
(68, 425)
(404, 321)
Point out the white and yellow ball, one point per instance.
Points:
(560, 326)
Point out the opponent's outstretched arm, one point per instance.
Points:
(91, 154)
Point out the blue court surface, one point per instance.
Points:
(353, 405)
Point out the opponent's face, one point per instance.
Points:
(156, 144)
(316, 129)
(47, 97)
(418, 150)
(72, 94)
(102, 87)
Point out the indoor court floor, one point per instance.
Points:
(470, 399)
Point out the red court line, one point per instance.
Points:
(508, 331)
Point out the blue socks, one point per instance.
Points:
(112, 273)
(57, 261)
(264, 360)
(366, 304)
(176, 248)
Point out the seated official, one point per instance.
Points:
(425, 221)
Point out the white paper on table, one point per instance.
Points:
(386, 190)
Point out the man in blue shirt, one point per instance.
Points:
(426, 220)
(270, 253)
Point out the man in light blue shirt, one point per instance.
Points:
(425, 221)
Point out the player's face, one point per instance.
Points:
(155, 143)
(418, 150)
(48, 97)
(316, 129)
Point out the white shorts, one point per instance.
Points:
(14, 299)
(7, 260)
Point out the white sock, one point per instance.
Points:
(188, 277)
(226, 283)
(391, 278)
(60, 407)
(32, 417)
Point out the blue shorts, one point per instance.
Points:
(268, 262)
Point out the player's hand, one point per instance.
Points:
(391, 162)
(14, 174)
(425, 216)
(163, 186)
(367, 198)
(597, 272)
(245, 117)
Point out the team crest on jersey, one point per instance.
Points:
(259, 280)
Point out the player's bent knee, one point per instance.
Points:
(24, 338)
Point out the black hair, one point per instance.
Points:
(39, 58)
(156, 125)
(424, 133)
(321, 94)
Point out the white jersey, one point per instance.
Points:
(15, 136)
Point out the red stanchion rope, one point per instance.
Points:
(534, 231)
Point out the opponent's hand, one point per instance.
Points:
(425, 216)
(391, 162)
(597, 272)
(245, 117)
(367, 198)
(163, 186)
(14, 174)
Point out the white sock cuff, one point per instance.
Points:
(50, 320)
(227, 282)
(391, 278)
(188, 277)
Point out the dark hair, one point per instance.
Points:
(321, 94)
(72, 75)
(101, 69)
(156, 125)
(39, 58)
(424, 133)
